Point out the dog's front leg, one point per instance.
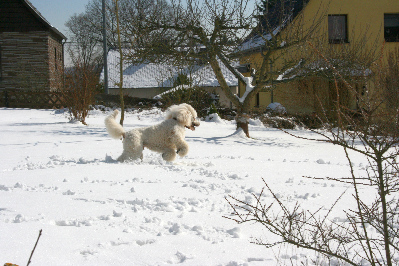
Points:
(169, 155)
(182, 149)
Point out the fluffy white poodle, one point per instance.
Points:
(166, 138)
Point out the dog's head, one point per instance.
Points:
(184, 114)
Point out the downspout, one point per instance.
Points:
(63, 63)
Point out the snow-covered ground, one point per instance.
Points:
(63, 178)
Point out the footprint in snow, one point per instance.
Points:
(321, 161)
(145, 242)
(19, 219)
(69, 192)
(178, 258)
(235, 232)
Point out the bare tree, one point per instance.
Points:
(124, 21)
(215, 31)
(84, 44)
(86, 28)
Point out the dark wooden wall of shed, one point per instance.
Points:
(15, 17)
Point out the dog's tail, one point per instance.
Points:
(115, 130)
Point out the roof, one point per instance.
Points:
(153, 75)
(277, 18)
(40, 17)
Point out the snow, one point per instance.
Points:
(277, 108)
(63, 178)
(175, 89)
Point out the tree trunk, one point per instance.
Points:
(243, 124)
(242, 119)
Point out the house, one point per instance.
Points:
(148, 80)
(355, 25)
(31, 50)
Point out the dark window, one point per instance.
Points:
(337, 29)
(244, 68)
(391, 27)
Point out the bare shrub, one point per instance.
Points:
(282, 122)
(81, 84)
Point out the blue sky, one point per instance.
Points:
(57, 12)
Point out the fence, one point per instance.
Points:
(14, 98)
(17, 98)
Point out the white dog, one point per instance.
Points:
(166, 138)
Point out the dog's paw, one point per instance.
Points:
(169, 156)
(182, 152)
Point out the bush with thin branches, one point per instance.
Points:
(371, 234)
(81, 85)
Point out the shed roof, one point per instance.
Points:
(41, 18)
(153, 75)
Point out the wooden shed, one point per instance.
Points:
(31, 49)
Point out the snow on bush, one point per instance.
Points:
(276, 108)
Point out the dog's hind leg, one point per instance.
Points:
(132, 147)
(131, 155)
(127, 155)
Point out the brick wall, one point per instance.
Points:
(30, 60)
(56, 66)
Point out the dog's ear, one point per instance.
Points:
(169, 112)
(190, 109)
(183, 113)
(184, 117)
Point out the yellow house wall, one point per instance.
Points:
(364, 18)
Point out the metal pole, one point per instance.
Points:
(105, 51)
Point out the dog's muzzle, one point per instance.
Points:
(193, 125)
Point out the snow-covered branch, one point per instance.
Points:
(288, 71)
(248, 88)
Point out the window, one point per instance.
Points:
(391, 27)
(245, 68)
(337, 29)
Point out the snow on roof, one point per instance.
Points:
(257, 41)
(152, 75)
(277, 19)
